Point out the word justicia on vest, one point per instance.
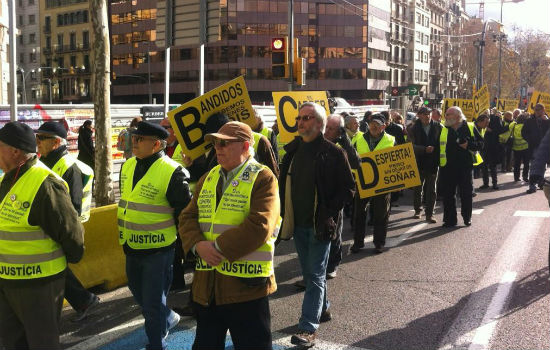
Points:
(241, 268)
(146, 239)
(20, 271)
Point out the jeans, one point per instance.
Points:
(313, 256)
(149, 279)
(75, 293)
(335, 253)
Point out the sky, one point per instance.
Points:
(529, 14)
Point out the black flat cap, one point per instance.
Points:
(150, 129)
(379, 118)
(18, 135)
(52, 128)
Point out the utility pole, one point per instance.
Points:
(169, 34)
(203, 28)
(104, 192)
(500, 48)
(13, 63)
(149, 92)
(480, 55)
(291, 47)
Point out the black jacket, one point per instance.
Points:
(458, 157)
(86, 150)
(73, 176)
(426, 161)
(534, 130)
(492, 148)
(397, 132)
(333, 182)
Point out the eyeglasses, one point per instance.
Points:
(138, 138)
(44, 137)
(304, 118)
(222, 143)
(167, 127)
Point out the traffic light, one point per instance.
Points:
(279, 57)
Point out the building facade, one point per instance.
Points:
(4, 53)
(438, 52)
(333, 38)
(28, 51)
(66, 50)
(419, 46)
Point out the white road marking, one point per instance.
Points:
(532, 213)
(485, 331)
(477, 211)
(109, 335)
(395, 241)
(473, 327)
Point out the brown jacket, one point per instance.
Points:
(234, 243)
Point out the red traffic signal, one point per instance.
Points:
(279, 58)
(278, 44)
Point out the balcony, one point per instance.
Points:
(47, 50)
(71, 48)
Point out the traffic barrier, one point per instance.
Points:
(103, 262)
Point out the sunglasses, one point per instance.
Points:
(166, 127)
(44, 137)
(222, 143)
(305, 118)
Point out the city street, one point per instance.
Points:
(478, 287)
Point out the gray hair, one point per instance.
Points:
(318, 111)
(337, 116)
(459, 110)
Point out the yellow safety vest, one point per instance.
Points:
(26, 252)
(519, 143)
(362, 145)
(280, 148)
(443, 147)
(232, 210)
(257, 136)
(266, 132)
(176, 156)
(356, 137)
(62, 165)
(145, 218)
(503, 138)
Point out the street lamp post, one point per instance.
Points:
(24, 78)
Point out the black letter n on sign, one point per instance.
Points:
(185, 129)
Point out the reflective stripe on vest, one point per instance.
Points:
(519, 143)
(443, 147)
(61, 167)
(26, 252)
(145, 218)
(232, 210)
(362, 145)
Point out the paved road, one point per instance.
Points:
(479, 287)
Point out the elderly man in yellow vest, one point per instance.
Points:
(39, 233)
(153, 191)
(51, 139)
(231, 226)
(373, 140)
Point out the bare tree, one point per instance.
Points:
(104, 193)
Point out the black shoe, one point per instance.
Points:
(495, 187)
(300, 284)
(468, 222)
(325, 316)
(516, 180)
(303, 338)
(356, 248)
(448, 224)
(187, 310)
(483, 187)
(379, 250)
(531, 190)
(331, 275)
(474, 194)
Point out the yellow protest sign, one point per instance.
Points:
(539, 97)
(507, 104)
(466, 105)
(387, 170)
(481, 101)
(189, 119)
(287, 104)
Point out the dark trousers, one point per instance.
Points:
(451, 179)
(29, 316)
(381, 213)
(507, 163)
(178, 271)
(521, 157)
(426, 190)
(249, 324)
(335, 252)
(149, 279)
(486, 167)
(75, 293)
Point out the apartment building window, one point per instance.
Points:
(418, 37)
(31, 2)
(418, 18)
(32, 38)
(426, 57)
(72, 41)
(22, 58)
(417, 75)
(403, 76)
(86, 62)
(85, 39)
(20, 20)
(32, 57)
(73, 61)
(32, 19)
(48, 42)
(20, 3)
(21, 40)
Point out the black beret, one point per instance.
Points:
(18, 135)
(52, 128)
(150, 129)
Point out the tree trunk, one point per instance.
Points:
(104, 192)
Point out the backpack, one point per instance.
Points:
(124, 141)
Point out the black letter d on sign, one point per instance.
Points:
(184, 130)
(375, 179)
